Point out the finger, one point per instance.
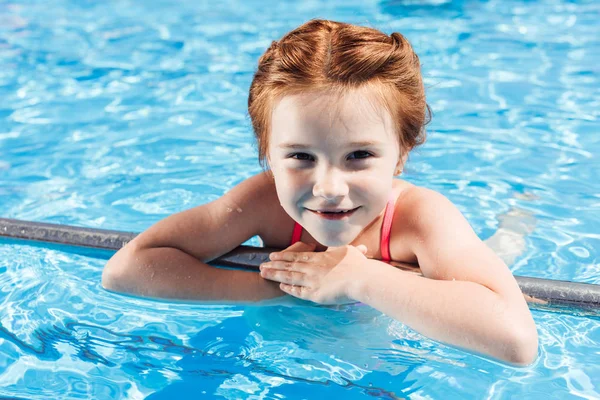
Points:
(297, 247)
(293, 256)
(283, 276)
(301, 246)
(300, 292)
(362, 248)
(285, 266)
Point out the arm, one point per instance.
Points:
(169, 259)
(467, 296)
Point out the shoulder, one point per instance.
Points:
(416, 205)
(256, 192)
(258, 195)
(212, 229)
(256, 188)
(423, 217)
(246, 207)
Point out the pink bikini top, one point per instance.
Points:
(386, 229)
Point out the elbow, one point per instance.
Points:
(116, 273)
(111, 277)
(522, 346)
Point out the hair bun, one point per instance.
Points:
(268, 54)
(330, 55)
(398, 40)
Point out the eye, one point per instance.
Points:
(302, 156)
(359, 155)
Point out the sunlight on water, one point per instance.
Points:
(116, 114)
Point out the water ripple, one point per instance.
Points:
(116, 115)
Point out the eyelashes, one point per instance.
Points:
(359, 155)
(355, 155)
(301, 156)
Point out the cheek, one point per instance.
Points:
(374, 183)
(373, 192)
(288, 178)
(288, 185)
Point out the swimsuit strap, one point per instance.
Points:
(297, 233)
(386, 229)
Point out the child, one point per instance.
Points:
(336, 108)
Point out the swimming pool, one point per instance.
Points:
(116, 114)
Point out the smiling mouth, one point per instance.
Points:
(334, 215)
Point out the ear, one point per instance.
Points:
(401, 161)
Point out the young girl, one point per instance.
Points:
(336, 108)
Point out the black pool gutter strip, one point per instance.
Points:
(543, 293)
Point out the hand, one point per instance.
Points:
(323, 278)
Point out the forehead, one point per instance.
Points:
(355, 115)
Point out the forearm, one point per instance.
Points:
(463, 314)
(170, 273)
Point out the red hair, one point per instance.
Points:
(334, 56)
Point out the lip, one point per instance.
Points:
(333, 214)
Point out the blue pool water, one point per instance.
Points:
(115, 114)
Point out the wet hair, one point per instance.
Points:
(323, 55)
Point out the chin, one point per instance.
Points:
(334, 243)
(341, 239)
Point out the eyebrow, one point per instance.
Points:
(366, 143)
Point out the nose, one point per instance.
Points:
(330, 184)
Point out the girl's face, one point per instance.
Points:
(333, 160)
